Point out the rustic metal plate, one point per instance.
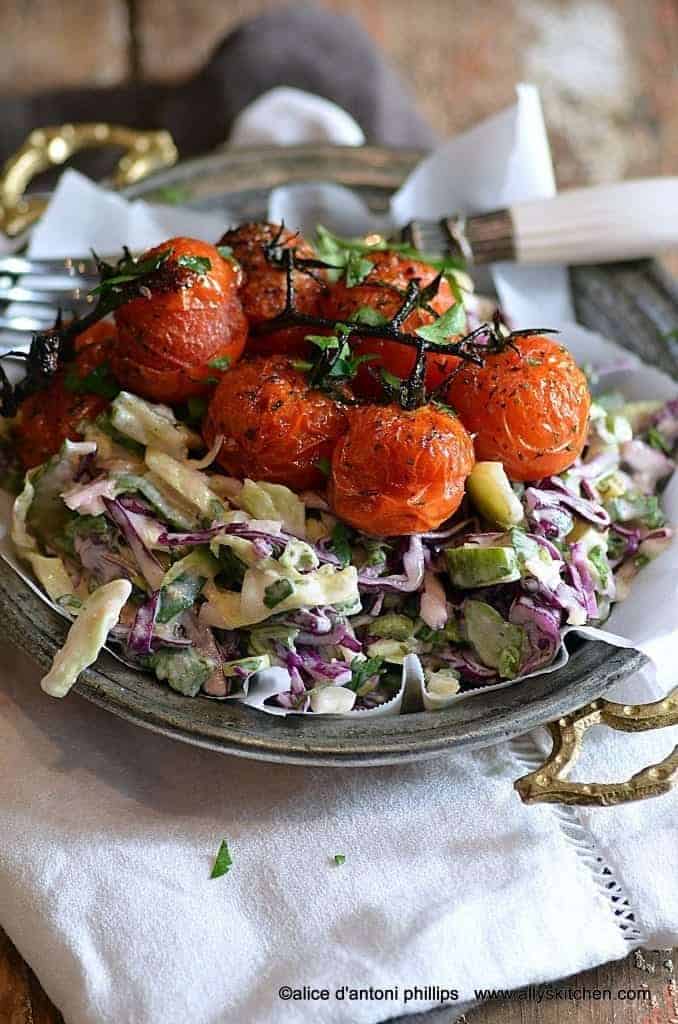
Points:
(634, 303)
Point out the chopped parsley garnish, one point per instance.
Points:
(599, 561)
(323, 341)
(616, 546)
(376, 551)
(340, 543)
(364, 670)
(332, 249)
(339, 859)
(392, 382)
(277, 592)
(223, 861)
(198, 264)
(336, 362)
(324, 465)
(99, 381)
(225, 251)
(126, 271)
(451, 322)
(357, 269)
(444, 407)
(220, 363)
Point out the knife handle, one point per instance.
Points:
(604, 223)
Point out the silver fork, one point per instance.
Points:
(32, 291)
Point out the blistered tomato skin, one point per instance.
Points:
(383, 290)
(168, 339)
(399, 472)
(264, 288)
(46, 418)
(274, 426)
(527, 408)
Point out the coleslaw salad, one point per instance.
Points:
(234, 589)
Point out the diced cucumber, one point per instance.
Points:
(392, 627)
(263, 639)
(491, 493)
(394, 651)
(246, 666)
(472, 566)
(497, 643)
(185, 670)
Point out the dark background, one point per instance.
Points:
(607, 69)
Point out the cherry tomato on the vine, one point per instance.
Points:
(382, 291)
(527, 407)
(397, 471)
(187, 330)
(274, 425)
(264, 285)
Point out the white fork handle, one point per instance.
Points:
(627, 220)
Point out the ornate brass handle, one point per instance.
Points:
(548, 783)
(49, 147)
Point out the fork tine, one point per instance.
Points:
(48, 296)
(25, 324)
(68, 267)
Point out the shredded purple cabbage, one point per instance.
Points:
(140, 639)
(149, 565)
(542, 629)
(409, 581)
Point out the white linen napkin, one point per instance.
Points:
(108, 835)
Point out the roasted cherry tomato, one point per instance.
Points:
(527, 408)
(383, 291)
(275, 427)
(101, 333)
(264, 286)
(397, 471)
(46, 418)
(189, 327)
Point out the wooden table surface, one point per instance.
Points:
(608, 72)
(22, 1000)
